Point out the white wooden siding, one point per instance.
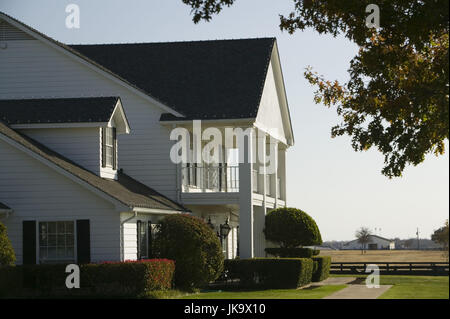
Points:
(81, 145)
(32, 69)
(130, 240)
(269, 114)
(37, 192)
(10, 33)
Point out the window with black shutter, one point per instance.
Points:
(83, 241)
(29, 242)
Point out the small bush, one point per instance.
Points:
(321, 269)
(291, 227)
(270, 273)
(290, 252)
(195, 248)
(316, 252)
(7, 255)
(132, 279)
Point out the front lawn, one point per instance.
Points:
(403, 287)
(411, 287)
(416, 287)
(306, 293)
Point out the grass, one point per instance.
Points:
(412, 287)
(403, 287)
(416, 287)
(306, 293)
(385, 256)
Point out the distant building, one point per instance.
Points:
(320, 247)
(376, 242)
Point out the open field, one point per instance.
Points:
(384, 256)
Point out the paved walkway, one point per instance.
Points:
(359, 292)
(356, 288)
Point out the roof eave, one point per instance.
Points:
(120, 118)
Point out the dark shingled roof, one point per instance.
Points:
(126, 189)
(57, 110)
(3, 206)
(221, 79)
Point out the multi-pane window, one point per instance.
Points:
(109, 146)
(142, 239)
(56, 242)
(146, 232)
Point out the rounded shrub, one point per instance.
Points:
(7, 255)
(193, 246)
(291, 227)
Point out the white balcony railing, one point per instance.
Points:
(210, 178)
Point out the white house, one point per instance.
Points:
(85, 167)
(375, 242)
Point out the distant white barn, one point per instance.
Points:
(376, 242)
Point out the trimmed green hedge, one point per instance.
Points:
(290, 252)
(130, 278)
(270, 272)
(291, 227)
(321, 269)
(193, 246)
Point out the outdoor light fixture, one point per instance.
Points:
(224, 229)
(210, 224)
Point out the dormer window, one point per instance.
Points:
(109, 147)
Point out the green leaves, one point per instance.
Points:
(7, 255)
(195, 248)
(291, 227)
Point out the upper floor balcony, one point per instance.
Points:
(197, 178)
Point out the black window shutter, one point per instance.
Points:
(139, 248)
(103, 147)
(114, 148)
(83, 241)
(29, 242)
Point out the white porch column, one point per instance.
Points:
(274, 156)
(282, 171)
(246, 235)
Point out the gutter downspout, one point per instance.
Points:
(122, 248)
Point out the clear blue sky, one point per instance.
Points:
(341, 189)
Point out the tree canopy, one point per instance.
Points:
(363, 236)
(440, 236)
(397, 97)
